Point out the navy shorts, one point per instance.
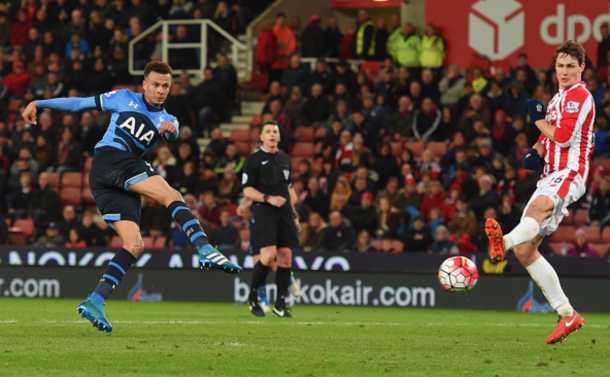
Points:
(112, 171)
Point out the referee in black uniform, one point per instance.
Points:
(266, 180)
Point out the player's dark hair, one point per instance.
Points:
(266, 124)
(572, 49)
(281, 14)
(158, 67)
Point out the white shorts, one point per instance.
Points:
(563, 188)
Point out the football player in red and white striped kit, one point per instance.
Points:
(566, 144)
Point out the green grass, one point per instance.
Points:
(41, 337)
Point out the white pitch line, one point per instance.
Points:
(318, 323)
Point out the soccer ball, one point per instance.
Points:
(458, 275)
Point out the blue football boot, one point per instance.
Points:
(212, 258)
(94, 312)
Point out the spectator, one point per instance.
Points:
(19, 30)
(346, 76)
(286, 46)
(205, 98)
(381, 39)
(347, 44)
(343, 156)
(76, 42)
(314, 233)
(464, 219)
(323, 75)
(315, 110)
(226, 234)
(426, 123)
(229, 187)
(603, 46)
(44, 205)
(364, 46)
(74, 240)
(90, 232)
(51, 238)
(463, 241)
(406, 49)
(339, 235)
(68, 153)
(387, 246)
(226, 74)
(376, 115)
(434, 198)
(581, 247)
(385, 164)
(178, 105)
(509, 216)
(294, 107)
(295, 75)
(515, 101)
(432, 50)
(363, 242)
(186, 180)
(442, 244)
(387, 83)
(181, 9)
(295, 27)
(484, 199)
(312, 40)
(419, 238)
(361, 125)
(428, 164)
(89, 133)
(165, 164)
(599, 210)
(5, 29)
(522, 64)
(155, 221)
(186, 137)
(333, 38)
(267, 48)
(401, 123)
(223, 17)
(479, 83)
(477, 110)
(17, 81)
(275, 93)
(21, 197)
(316, 200)
(518, 151)
(342, 97)
(408, 196)
(364, 217)
(210, 211)
(451, 86)
(99, 81)
(495, 97)
(430, 85)
(68, 221)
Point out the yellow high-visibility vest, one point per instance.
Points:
(360, 39)
(432, 52)
(407, 50)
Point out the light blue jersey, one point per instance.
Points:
(134, 126)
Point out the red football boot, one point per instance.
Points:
(496, 239)
(566, 326)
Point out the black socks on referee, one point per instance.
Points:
(259, 276)
(282, 280)
(189, 223)
(117, 268)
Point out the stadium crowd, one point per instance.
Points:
(401, 156)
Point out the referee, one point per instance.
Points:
(266, 181)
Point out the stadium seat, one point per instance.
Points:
(371, 69)
(232, 209)
(602, 248)
(302, 149)
(398, 245)
(159, 243)
(417, 147)
(256, 120)
(240, 134)
(439, 148)
(17, 238)
(86, 195)
(87, 164)
(70, 195)
(556, 246)
(255, 134)
(115, 242)
(53, 180)
(148, 242)
(303, 134)
(396, 148)
(377, 244)
(26, 226)
(13, 105)
(593, 233)
(72, 179)
(606, 234)
(320, 132)
(563, 233)
(568, 220)
(86, 179)
(101, 224)
(243, 147)
(580, 216)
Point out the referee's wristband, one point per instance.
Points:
(265, 197)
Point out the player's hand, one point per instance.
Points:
(29, 114)
(167, 126)
(298, 224)
(532, 160)
(276, 201)
(536, 109)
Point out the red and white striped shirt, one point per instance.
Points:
(572, 111)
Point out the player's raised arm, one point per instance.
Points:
(62, 104)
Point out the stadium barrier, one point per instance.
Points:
(325, 279)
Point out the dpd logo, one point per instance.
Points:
(496, 27)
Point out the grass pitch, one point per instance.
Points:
(41, 337)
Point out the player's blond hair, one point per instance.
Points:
(573, 49)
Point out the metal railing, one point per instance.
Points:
(202, 45)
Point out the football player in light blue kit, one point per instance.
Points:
(119, 176)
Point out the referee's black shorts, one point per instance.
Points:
(274, 227)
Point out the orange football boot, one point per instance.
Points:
(496, 239)
(566, 326)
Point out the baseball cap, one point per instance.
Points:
(409, 180)
(315, 19)
(366, 194)
(580, 232)
(485, 143)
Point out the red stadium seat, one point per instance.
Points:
(398, 245)
(70, 195)
(26, 226)
(159, 243)
(303, 134)
(563, 233)
(417, 147)
(606, 234)
(13, 105)
(580, 216)
(439, 148)
(396, 148)
(17, 238)
(605, 162)
(72, 179)
(377, 244)
(371, 69)
(240, 134)
(88, 162)
(602, 249)
(302, 149)
(557, 246)
(255, 134)
(101, 223)
(320, 132)
(568, 220)
(148, 242)
(232, 209)
(86, 179)
(53, 179)
(115, 243)
(243, 147)
(86, 195)
(593, 233)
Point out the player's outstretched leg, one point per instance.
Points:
(496, 239)
(93, 307)
(210, 258)
(566, 326)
